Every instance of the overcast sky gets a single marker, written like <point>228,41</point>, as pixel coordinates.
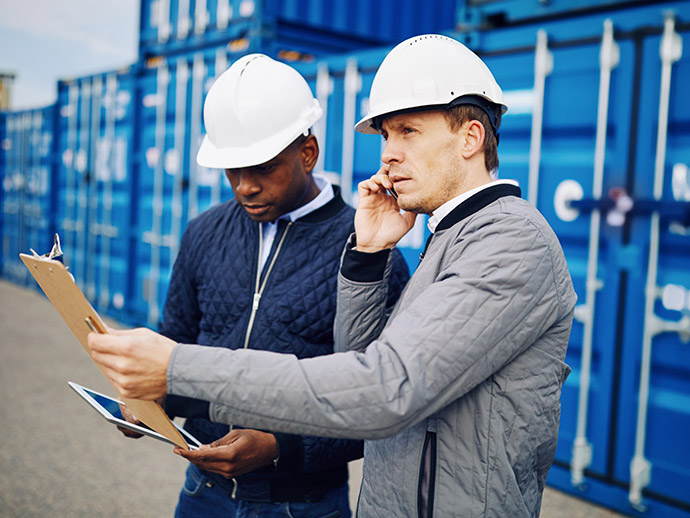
<point>42,41</point>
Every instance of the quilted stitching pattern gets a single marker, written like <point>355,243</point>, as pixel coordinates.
<point>211,292</point>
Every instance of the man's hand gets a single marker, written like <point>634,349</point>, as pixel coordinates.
<point>239,452</point>
<point>379,223</point>
<point>135,361</point>
<point>130,418</point>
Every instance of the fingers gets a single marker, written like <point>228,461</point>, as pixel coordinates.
<point>378,183</point>
<point>113,366</point>
<point>110,344</point>
<point>122,350</point>
<point>135,361</point>
<point>121,372</point>
<point>204,455</point>
<point>128,415</point>
<point>231,437</point>
<point>221,460</point>
<point>130,418</point>
<point>120,382</point>
<point>130,433</point>
<point>409,218</point>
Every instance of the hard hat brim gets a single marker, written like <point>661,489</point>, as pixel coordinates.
<point>367,124</point>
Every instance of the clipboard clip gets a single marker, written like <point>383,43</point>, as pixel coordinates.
<point>55,252</point>
<point>94,326</point>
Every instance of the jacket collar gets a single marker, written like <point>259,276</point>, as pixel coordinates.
<point>327,211</point>
<point>477,202</point>
<point>470,206</point>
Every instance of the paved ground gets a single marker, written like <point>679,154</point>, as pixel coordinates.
<point>61,459</point>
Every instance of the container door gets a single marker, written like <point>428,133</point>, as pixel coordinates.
<point>549,148</point>
<point>27,187</point>
<point>654,414</point>
<point>37,207</point>
<point>15,145</point>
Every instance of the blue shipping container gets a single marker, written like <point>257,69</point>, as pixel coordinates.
<point>298,26</point>
<point>27,188</point>
<point>170,188</point>
<point>93,184</point>
<point>586,112</point>
<point>597,134</point>
<point>494,14</point>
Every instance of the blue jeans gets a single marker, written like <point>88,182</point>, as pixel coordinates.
<point>200,499</point>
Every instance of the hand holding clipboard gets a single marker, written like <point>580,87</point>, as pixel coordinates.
<point>59,286</point>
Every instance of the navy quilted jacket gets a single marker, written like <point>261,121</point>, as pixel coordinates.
<point>210,301</point>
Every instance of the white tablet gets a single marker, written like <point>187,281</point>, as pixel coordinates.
<point>110,409</point>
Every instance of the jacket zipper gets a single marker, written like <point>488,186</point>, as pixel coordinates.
<point>428,449</point>
<point>260,286</point>
<point>258,291</point>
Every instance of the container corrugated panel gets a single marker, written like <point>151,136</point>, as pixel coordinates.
<point>380,22</point>
<point>93,184</point>
<point>572,152</point>
<point>171,188</point>
<point>27,207</point>
<point>490,14</point>
<point>311,27</point>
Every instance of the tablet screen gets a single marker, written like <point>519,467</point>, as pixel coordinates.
<point>110,409</point>
<point>110,405</point>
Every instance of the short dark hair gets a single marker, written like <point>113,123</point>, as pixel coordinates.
<point>456,116</point>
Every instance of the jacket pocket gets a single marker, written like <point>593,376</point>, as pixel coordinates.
<point>427,477</point>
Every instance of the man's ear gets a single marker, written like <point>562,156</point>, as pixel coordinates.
<point>473,141</point>
<point>309,153</point>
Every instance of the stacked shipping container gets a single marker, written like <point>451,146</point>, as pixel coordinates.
<point>290,28</point>
<point>597,134</point>
<point>92,184</point>
<point>607,126</point>
<point>26,169</point>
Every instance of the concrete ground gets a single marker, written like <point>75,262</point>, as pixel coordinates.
<point>62,459</point>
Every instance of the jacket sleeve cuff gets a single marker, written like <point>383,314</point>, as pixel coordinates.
<point>290,452</point>
<point>363,266</point>
<point>180,406</point>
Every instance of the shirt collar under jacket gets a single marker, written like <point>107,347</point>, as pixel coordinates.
<point>321,199</point>
<point>448,207</point>
<point>268,229</point>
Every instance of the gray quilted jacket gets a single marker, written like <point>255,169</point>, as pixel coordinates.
<point>469,364</point>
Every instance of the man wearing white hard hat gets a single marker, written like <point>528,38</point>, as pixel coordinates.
<point>259,272</point>
<point>457,390</point>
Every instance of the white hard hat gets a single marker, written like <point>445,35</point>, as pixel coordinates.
<point>430,71</point>
<point>253,111</point>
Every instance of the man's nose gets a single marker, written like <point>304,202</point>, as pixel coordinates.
<point>392,152</point>
<point>246,184</point>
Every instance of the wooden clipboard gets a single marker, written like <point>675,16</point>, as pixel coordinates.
<point>59,286</point>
